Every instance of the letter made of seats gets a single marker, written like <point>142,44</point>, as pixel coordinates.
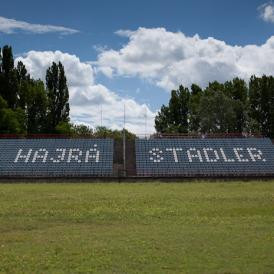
<point>174,152</point>
<point>209,159</point>
<point>74,155</point>
<point>60,157</point>
<point>19,156</point>
<point>255,153</point>
<point>239,155</point>
<point>194,153</point>
<point>156,155</point>
<point>40,154</point>
<point>93,153</point>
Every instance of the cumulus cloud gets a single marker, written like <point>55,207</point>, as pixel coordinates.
<point>267,12</point>
<point>168,59</point>
<point>9,26</point>
<point>88,98</point>
<point>37,62</point>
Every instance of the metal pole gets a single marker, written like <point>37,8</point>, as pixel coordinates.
<point>124,141</point>
<point>145,123</point>
<point>101,116</point>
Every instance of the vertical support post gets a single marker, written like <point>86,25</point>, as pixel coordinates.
<point>145,123</point>
<point>124,141</point>
<point>101,115</point>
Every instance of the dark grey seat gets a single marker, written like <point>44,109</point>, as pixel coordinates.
<point>205,157</point>
<point>56,157</point>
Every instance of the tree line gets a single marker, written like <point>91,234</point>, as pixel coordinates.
<point>231,107</point>
<point>28,106</point>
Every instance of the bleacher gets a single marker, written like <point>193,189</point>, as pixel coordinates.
<point>187,157</point>
<point>56,157</point>
<point>205,157</point>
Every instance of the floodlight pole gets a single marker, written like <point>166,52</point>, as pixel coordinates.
<point>124,141</point>
<point>145,123</point>
<point>101,110</point>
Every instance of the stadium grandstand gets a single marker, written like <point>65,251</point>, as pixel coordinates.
<point>159,156</point>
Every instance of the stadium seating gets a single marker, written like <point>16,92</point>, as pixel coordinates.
<point>205,157</point>
<point>154,158</point>
<point>56,157</point>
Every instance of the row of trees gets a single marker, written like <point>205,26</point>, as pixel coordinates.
<point>234,106</point>
<point>26,105</point>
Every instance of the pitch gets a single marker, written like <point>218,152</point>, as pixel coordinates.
<point>220,227</point>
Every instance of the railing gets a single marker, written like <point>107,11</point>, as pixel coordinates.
<point>48,136</point>
<point>139,136</point>
<point>204,136</point>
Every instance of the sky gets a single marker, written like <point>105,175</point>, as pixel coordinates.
<point>133,53</point>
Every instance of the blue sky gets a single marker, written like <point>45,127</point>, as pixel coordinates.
<point>92,37</point>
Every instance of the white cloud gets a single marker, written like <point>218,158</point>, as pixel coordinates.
<point>267,12</point>
<point>168,59</point>
<point>37,62</point>
<point>87,97</point>
<point>11,25</point>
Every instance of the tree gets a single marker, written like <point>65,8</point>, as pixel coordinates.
<point>1,58</point>
<point>261,96</point>
<point>103,132</point>
<point>80,130</point>
<point>8,79</point>
<point>58,96</point>
<point>216,113</point>
<point>175,116</point>
<point>36,106</point>
<point>11,121</point>
<point>7,59</point>
<point>23,79</point>
<point>162,120</point>
<point>64,128</point>
<point>194,103</point>
<point>237,91</point>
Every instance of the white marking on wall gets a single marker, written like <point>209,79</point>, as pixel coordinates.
<point>206,150</point>
<point>255,153</point>
<point>174,151</point>
<point>225,158</point>
<point>74,154</point>
<point>194,153</point>
<point>42,153</point>
<point>60,157</point>
<point>239,156</point>
<point>93,153</point>
<point>156,155</point>
<point>20,156</point>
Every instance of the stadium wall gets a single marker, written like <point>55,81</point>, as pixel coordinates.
<point>145,158</point>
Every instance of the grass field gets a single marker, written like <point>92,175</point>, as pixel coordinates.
<point>137,228</point>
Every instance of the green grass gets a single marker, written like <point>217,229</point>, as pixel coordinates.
<point>137,228</point>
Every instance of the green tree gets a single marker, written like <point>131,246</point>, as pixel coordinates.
<point>103,132</point>
<point>64,128</point>
<point>11,121</point>
<point>23,79</point>
<point>1,61</point>
<point>261,96</point>
<point>81,130</point>
<point>8,79</point>
<point>237,91</point>
<point>175,116</point>
<point>58,96</point>
<point>162,120</point>
<point>36,106</point>
<point>216,113</point>
<point>194,106</point>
